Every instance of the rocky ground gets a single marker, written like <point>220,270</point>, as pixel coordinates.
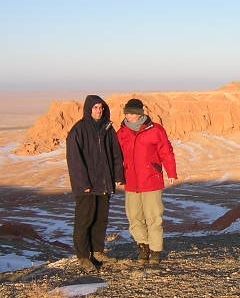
<point>190,267</point>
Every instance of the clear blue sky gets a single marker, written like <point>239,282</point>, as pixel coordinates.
<point>118,45</point>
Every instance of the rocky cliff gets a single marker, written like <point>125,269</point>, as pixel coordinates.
<point>181,113</point>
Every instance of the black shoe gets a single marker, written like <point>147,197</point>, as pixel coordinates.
<point>154,257</point>
<point>143,253</point>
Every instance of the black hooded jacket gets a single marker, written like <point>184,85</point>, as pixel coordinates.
<point>94,156</point>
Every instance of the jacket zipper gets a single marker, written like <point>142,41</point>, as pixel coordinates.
<point>100,149</point>
<point>134,163</point>
<point>150,126</point>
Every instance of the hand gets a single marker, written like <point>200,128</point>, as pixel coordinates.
<point>119,186</point>
<point>87,190</point>
<point>171,180</point>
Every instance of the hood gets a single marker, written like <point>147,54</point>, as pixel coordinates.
<point>90,101</point>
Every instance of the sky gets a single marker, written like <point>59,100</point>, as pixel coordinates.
<point>127,45</point>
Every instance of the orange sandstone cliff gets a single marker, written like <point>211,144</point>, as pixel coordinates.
<point>181,113</point>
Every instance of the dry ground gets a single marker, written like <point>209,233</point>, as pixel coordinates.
<point>191,267</point>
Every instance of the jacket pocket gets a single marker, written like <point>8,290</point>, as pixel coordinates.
<point>157,167</point>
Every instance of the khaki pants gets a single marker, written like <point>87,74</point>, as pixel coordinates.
<point>144,211</point>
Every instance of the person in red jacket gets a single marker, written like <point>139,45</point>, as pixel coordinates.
<point>146,149</point>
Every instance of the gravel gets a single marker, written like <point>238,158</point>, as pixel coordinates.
<point>190,267</point>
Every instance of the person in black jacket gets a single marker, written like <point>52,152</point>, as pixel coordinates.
<point>95,167</point>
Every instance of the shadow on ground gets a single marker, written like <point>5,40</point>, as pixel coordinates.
<point>51,215</point>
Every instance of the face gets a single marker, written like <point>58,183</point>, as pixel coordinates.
<point>132,118</point>
<point>97,111</point>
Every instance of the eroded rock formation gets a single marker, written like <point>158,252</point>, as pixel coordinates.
<point>181,113</point>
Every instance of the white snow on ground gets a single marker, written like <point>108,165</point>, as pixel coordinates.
<point>13,262</point>
<point>62,181</point>
<point>47,223</point>
<point>225,142</point>
<point>233,186</point>
<point>126,235</point>
<point>43,159</point>
<point>58,226</point>
<point>80,289</point>
<point>224,178</point>
<point>49,226</point>
<point>195,150</point>
<point>190,150</point>
<point>204,211</point>
<point>118,209</point>
<point>194,189</point>
<point>234,228</point>
<point>116,218</point>
<point>172,219</point>
<point>219,182</point>
<point>4,152</point>
<point>187,234</point>
<point>43,156</point>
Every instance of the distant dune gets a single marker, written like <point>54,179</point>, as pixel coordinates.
<point>233,86</point>
<point>181,113</point>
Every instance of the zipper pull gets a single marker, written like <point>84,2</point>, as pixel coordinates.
<point>108,125</point>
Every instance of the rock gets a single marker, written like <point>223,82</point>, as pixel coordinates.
<point>181,113</point>
<point>62,245</point>
<point>112,237</point>
<point>18,231</point>
<point>226,220</point>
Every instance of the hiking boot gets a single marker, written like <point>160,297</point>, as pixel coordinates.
<point>143,253</point>
<point>154,257</point>
<point>100,256</point>
<point>86,264</point>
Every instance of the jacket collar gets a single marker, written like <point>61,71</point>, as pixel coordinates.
<point>146,125</point>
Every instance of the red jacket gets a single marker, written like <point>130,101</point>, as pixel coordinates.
<point>144,154</point>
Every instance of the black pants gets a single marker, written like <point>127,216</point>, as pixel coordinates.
<point>91,218</point>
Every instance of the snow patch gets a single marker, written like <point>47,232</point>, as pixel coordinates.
<point>234,228</point>
<point>80,289</point>
<point>13,262</point>
<point>206,212</point>
<point>172,219</point>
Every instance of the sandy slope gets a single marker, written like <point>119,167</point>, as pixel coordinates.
<point>205,157</point>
